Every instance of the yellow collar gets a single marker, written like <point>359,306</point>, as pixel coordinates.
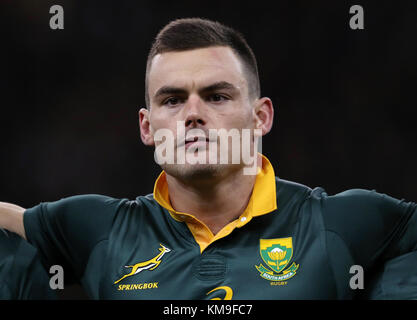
<point>262,201</point>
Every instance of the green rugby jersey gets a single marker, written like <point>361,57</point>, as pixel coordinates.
<point>291,242</point>
<point>394,280</point>
<point>22,276</point>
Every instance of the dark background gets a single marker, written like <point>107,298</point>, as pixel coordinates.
<point>344,99</point>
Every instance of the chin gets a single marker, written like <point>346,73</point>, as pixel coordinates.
<point>198,171</point>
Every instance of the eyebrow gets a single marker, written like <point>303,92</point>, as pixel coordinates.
<point>221,85</point>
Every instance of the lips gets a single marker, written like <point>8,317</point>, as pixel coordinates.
<point>196,141</point>
<point>197,138</point>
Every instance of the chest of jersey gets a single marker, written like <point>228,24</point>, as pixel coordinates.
<point>267,259</point>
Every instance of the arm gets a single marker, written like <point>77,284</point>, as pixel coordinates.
<point>66,231</point>
<point>11,218</point>
<point>374,226</point>
<point>22,276</point>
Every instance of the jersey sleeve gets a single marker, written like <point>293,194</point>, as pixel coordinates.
<point>394,280</point>
<point>66,231</point>
<point>375,227</point>
<point>22,276</point>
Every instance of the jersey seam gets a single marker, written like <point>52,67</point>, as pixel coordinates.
<point>91,251</point>
<point>328,255</point>
<point>324,239</point>
<point>81,278</point>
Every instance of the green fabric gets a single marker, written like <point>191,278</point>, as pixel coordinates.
<point>22,276</point>
<point>133,249</point>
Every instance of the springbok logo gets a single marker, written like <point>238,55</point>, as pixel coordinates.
<point>146,265</point>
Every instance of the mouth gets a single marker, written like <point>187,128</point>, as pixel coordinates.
<point>196,142</point>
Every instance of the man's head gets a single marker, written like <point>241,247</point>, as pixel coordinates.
<point>204,75</point>
<point>196,33</point>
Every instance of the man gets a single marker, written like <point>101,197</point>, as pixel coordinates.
<point>210,230</point>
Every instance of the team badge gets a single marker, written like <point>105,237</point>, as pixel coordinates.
<point>276,254</point>
<point>150,264</point>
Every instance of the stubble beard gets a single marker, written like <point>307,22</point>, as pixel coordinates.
<point>192,173</point>
<point>210,166</point>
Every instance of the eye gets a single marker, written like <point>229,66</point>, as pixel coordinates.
<point>217,98</point>
<point>173,101</point>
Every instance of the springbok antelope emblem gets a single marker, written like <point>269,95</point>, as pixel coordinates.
<point>146,265</point>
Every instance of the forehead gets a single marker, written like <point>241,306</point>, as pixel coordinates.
<point>195,68</point>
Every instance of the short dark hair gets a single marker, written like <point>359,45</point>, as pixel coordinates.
<point>195,33</point>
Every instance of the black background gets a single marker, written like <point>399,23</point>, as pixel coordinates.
<point>344,99</point>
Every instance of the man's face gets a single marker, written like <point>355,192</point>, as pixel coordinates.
<point>205,89</point>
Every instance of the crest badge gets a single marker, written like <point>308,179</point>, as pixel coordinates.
<point>277,255</point>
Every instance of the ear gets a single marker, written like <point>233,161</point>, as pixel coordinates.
<point>145,127</point>
<point>264,115</point>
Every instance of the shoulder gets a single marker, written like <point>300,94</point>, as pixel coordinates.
<point>365,204</point>
<point>350,212</point>
<point>81,206</point>
<point>89,214</point>
<point>290,190</point>
<point>368,221</point>
<point>85,202</point>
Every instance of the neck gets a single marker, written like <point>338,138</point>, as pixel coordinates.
<point>216,202</point>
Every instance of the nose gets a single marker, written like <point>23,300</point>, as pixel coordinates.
<point>194,112</point>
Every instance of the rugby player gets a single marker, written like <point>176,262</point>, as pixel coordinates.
<point>210,231</point>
